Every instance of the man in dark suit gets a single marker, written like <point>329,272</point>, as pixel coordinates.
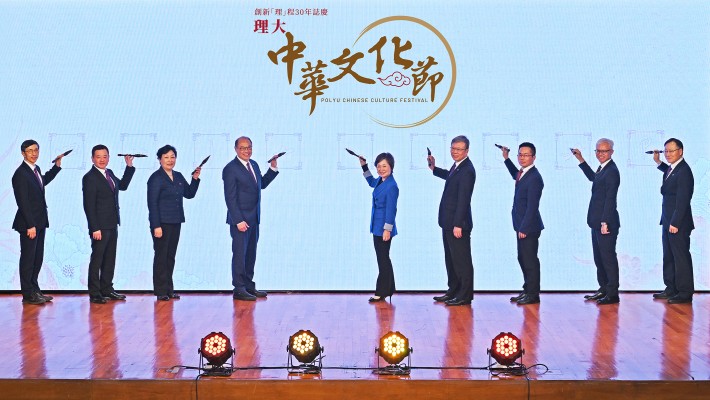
<point>101,187</point>
<point>31,220</point>
<point>603,219</point>
<point>456,223</point>
<point>677,221</point>
<point>527,221</point>
<point>242,193</point>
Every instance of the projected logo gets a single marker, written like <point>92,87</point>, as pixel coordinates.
<point>400,71</point>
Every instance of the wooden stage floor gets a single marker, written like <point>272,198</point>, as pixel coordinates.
<point>70,348</point>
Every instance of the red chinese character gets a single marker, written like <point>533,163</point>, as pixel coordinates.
<point>316,11</point>
<point>293,52</point>
<point>261,25</point>
<point>350,61</point>
<point>278,11</point>
<point>324,11</point>
<point>257,11</point>
<point>279,25</point>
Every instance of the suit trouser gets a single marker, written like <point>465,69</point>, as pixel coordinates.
<point>385,277</point>
<point>165,248</point>
<point>31,258</point>
<point>677,263</point>
<point>604,247</point>
<point>243,257</point>
<point>459,265</point>
<point>103,263</point>
<point>529,262</point>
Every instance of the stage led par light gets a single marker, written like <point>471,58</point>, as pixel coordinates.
<point>506,348</point>
<point>304,346</point>
<point>394,347</point>
<point>216,349</point>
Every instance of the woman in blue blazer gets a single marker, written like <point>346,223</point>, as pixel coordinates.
<point>382,225</point>
<point>166,189</point>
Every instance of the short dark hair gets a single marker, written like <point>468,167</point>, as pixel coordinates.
<point>387,157</point>
<point>236,142</point>
<point>528,144</point>
<point>97,148</point>
<point>165,149</point>
<point>460,138</point>
<point>27,143</point>
<point>676,141</point>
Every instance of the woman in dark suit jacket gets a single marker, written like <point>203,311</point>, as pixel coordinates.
<point>166,189</point>
<point>382,225</point>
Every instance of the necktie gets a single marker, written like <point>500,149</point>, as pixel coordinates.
<point>39,177</point>
<point>111,184</point>
<point>250,170</point>
<point>453,168</point>
<point>599,169</point>
<point>520,174</point>
<point>668,173</point>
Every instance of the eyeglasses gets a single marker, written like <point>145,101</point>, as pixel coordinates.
<point>243,148</point>
<point>602,151</point>
<point>458,149</point>
<point>670,151</point>
<point>32,151</point>
<point>524,155</point>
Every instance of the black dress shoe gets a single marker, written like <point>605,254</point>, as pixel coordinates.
<point>257,293</point>
<point>595,296</point>
<point>98,299</point>
<point>608,300</point>
<point>457,302</point>
<point>662,295</point>
<point>45,297</point>
<point>244,296</point>
<point>115,296</point>
<point>528,299</point>
<point>174,296</point>
<point>164,298</point>
<point>677,299</point>
<point>443,298</point>
<point>518,297</point>
<point>34,298</point>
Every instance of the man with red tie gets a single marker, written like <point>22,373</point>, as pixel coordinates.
<point>31,220</point>
<point>677,222</point>
<point>101,187</point>
<point>527,221</point>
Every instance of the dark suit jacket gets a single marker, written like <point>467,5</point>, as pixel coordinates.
<point>100,203</point>
<point>384,204</point>
<point>165,197</point>
<point>29,195</point>
<point>677,191</point>
<point>455,205</point>
<point>241,193</point>
<point>526,201</point>
<point>602,205</point>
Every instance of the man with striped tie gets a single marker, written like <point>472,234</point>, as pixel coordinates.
<point>31,220</point>
<point>100,187</point>
<point>603,219</point>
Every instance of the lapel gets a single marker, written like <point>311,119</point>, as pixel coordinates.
<point>526,175</point>
<point>31,175</point>
<point>673,171</point>
<point>165,176</point>
<point>382,187</point>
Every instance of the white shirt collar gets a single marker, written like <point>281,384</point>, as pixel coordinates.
<point>605,163</point>
<point>459,162</point>
<point>32,166</point>
<point>675,164</point>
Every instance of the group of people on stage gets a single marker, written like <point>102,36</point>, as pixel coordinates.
<point>456,221</point>
<point>243,182</point>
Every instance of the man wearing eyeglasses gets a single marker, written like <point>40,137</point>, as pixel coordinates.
<point>677,223</point>
<point>456,223</point>
<point>242,193</point>
<point>603,219</point>
<point>31,220</point>
<point>527,221</point>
